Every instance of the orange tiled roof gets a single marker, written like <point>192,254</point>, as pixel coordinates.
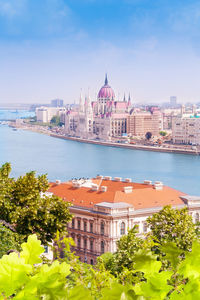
<point>142,196</point>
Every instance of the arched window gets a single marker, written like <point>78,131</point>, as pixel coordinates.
<point>122,228</point>
<point>102,227</point>
<point>102,247</point>
<point>79,242</point>
<point>85,243</point>
<point>196,218</point>
<point>91,262</point>
<point>91,245</point>
<point>145,227</point>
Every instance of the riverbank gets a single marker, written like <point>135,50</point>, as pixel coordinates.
<point>166,149</point>
<point>128,146</point>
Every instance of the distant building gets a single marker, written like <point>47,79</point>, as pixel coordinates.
<point>104,209</point>
<point>101,119</point>
<point>45,114</point>
<point>139,123</point>
<point>57,103</point>
<point>186,129</point>
<point>173,101</point>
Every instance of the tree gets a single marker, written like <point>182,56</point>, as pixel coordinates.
<point>163,133</point>
<point>9,239</point>
<point>23,203</point>
<point>173,225</point>
<point>56,121</point>
<point>148,135</point>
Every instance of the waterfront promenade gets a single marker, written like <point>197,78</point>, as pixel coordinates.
<point>179,149</point>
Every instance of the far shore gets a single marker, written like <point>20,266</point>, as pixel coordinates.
<point>44,130</point>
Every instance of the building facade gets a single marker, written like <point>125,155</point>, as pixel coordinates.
<point>44,114</point>
<point>101,119</point>
<point>139,123</point>
<point>104,209</point>
<point>186,130</point>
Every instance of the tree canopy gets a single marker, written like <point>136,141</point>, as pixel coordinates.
<point>23,202</point>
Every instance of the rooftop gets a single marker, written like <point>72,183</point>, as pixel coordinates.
<point>87,193</point>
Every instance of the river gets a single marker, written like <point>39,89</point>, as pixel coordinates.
<point>64,159</point>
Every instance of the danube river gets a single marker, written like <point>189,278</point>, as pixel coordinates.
<point>64,159</point>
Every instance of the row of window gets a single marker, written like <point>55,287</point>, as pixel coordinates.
<point>91,244</point>
<point>85,226</point>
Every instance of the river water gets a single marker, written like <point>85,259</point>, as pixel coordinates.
<point>64,159</point>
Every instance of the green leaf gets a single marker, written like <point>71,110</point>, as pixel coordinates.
<point>172,253</point>
<point>13,273</point>
<point>146,262</point>
<point>190,267</point>
<point>118,291</point>
<point>32,250</point>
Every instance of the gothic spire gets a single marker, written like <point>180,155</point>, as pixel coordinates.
<point>124,98</point>
<point>106,80</point>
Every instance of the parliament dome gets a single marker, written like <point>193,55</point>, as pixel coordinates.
<point>106,92</point>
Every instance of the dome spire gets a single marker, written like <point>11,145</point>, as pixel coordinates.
<point>106,80</point>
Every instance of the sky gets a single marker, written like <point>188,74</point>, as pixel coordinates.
<point>56,48</point>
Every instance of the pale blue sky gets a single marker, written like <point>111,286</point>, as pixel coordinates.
<point>52,48</point>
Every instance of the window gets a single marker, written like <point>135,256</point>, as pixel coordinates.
<point>85,226</point>
<point>79,224</point>
<point>85,243</point>
<point>91,245</point>
<point>102,247</point>
<point>79,242</point>
<point>196,218</point>
<point>102,227</point>
<point>91,262</point>
<point>145,227</point>
<point>91,227</point>
<point>72,223</point>
<point>122,228</point>
<point>45,249</point>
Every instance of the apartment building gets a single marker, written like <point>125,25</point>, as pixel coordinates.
<point>45,114</point>
<point>139,123</point>
<point>104,208</point>
<point>186,130</point>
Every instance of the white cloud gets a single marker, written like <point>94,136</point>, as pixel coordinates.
<point>11,8</point>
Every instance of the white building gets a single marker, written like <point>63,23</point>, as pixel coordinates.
<point>105,208</point>
<point>186,130</point>
<point>44,114</point>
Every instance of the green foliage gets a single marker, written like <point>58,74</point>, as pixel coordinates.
<point>163,133</point>
<point>56,121</point>
<point>173,225</point>
<point>22,204</point>
<point>21,277</point>
<point>8,239</point>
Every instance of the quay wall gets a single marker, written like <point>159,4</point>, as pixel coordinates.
<point>127,146</point>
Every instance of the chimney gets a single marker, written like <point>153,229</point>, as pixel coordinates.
<point>58,182</point>
<point>104,188</point>
<point>94,187</point>
<point>108,178</point>
<point>147,182</point>
<point>128,189</point>
<point>128,180</point>
<point>117,179</point>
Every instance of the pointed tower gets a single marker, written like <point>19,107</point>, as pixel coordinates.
<point>89,104</point>
<point>81,104</point>
<point>106,80</point>
<point>124,98</point>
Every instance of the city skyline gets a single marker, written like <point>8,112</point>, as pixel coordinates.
<point>53,49</point>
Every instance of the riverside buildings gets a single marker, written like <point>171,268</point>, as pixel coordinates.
<point>186,127</point>
<point>101,119</point>
<point>105,208</point>
<point>108,117</point>
<point>44,114</point>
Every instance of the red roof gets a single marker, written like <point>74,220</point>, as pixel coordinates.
<point>142,196</point>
